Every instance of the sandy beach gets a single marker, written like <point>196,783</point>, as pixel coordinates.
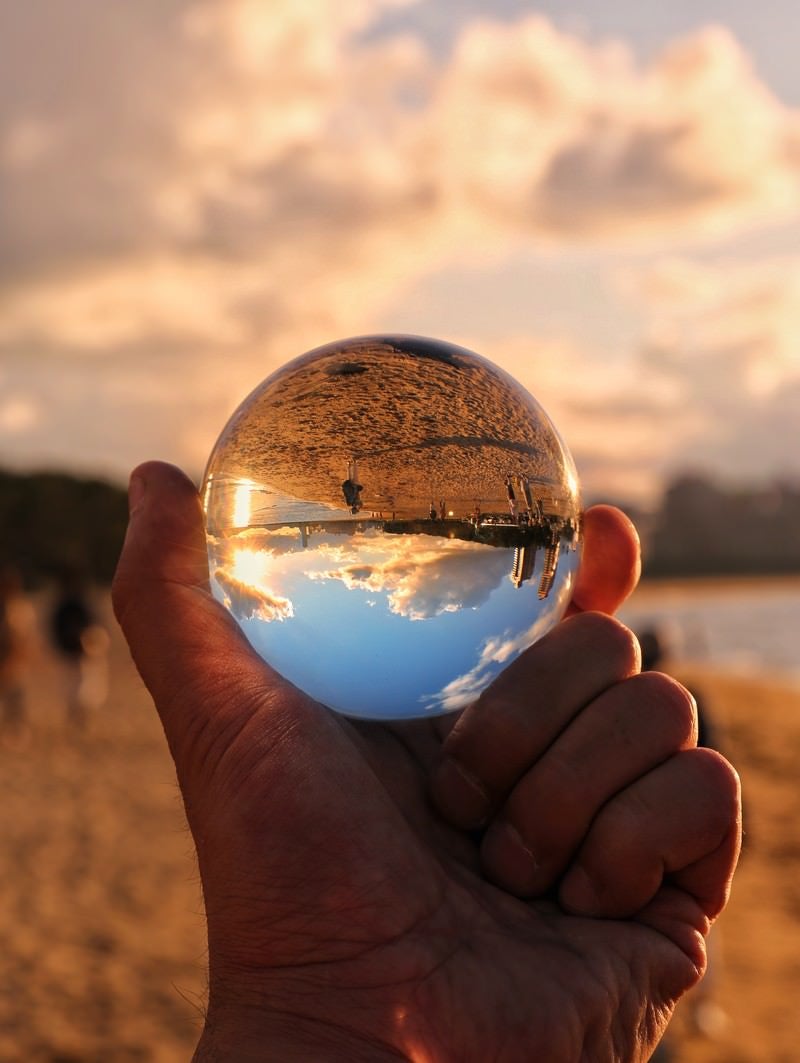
<point>102,957</point>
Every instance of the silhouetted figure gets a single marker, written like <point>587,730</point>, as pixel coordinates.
<point>654,653</point>
<point>351,488</point>
<point>82,644</point>
<point>16,635</point>
<point>512,498</point>
<point>706,1016</point>
<point>352,492</point>
<point>526,492</point>
<point>432,512</point>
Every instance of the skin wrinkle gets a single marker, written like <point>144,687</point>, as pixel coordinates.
<point>414,979</point>
<point>607,1032</point>
<point>329,1033</point>
<point>294,929</point>
<point>440,966</point>
<point>207,756</point>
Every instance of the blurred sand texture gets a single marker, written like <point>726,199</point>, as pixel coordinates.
<point>101,922</point>
<point>102,957</point>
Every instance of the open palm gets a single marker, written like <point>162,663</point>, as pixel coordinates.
<point>530,885</point>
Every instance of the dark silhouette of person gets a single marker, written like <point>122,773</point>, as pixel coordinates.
<point>655,653</point>
<point>351,488</point>
<point>81,643</point>
<point>706,1016</point>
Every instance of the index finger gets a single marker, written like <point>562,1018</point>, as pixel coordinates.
<point>611,562</point>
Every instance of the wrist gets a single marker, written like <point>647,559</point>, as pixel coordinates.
<point>242,1036</point>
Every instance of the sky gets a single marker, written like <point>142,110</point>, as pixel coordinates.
<point>447,604</point>
<point>606,203</point>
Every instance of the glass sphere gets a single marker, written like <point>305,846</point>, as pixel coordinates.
<point>392,520</point>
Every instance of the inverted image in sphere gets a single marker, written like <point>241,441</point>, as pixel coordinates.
<point>392,520</point>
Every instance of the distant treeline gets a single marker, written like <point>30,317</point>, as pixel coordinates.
<point>54,525</point>
<point>704,529</point>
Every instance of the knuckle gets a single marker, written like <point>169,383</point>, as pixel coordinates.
<point>721,781</point>
<point>672,704</point>
<point>616,643</point>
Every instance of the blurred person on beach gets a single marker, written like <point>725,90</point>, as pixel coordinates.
<point>530,879</point>
<point>81,644</point>
<point>706,1017</point>
<point>17,624</point>
<point>655,645</point>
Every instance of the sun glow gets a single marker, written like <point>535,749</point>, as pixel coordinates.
<point>241,503</point>
<point>250,567</point>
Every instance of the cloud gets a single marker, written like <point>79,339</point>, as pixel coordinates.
<point>162,300</point>
<point>723,338</point>
<point>280,164</point>
<point>18,413</point>
<point>575,140</point>
<point>248,602</point>
<point>701,142</point>
<point>495,651</point>
<point>273,182</point>
<point>420,580</point>
<point>716,384</point>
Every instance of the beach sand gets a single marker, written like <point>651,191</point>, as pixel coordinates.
<point>102,955</point>
<point>420,425</point>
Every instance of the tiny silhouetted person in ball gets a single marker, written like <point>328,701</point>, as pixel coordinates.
<point>81,643</point>
<point>512,498</point>
<point>351,488</point>
<point>352,494</point>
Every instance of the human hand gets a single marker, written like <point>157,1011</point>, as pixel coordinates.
<point>365,894</point>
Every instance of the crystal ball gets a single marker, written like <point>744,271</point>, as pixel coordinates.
<point>392,520</point>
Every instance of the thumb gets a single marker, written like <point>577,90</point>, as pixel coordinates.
<point>611,563</point>
<point>265,771</point>
<point>194,659</point>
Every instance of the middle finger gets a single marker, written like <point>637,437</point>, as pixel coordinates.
<point>623,734</point>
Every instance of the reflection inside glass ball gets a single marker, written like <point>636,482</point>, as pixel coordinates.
<point>392,520</point>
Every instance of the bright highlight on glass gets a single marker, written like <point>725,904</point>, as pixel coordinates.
<point>392,520</point>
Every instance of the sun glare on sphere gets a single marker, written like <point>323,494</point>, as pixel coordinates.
<point>250,567</point>
<point>241,504</point>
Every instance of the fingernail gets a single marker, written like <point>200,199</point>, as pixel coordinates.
<point>509,859</point>
<point>460,795</point>
<point>136,491</point>
<point>578,893</point>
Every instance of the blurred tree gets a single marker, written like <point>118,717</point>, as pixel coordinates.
<point>52,523</point>
<point>703,528</point>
